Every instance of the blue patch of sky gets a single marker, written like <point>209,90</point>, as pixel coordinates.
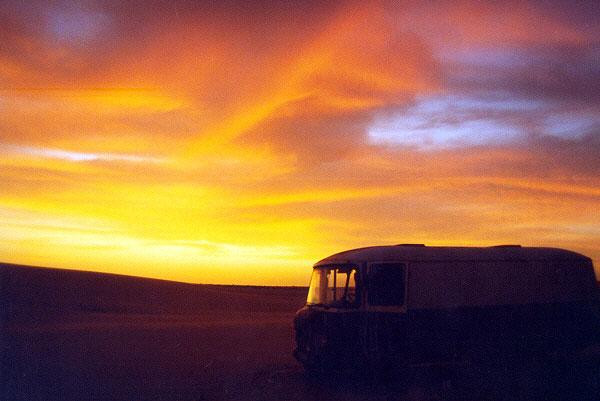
<point>488,117</point>
<point>495,103</point>
<point>498,57</point>
<point>449,122</point>
<point>76,25</point>
<point>414,133</point>
<point>571,126</point>
<point>453,121</point>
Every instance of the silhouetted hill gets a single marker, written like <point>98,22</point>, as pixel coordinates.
<point>32,292</point>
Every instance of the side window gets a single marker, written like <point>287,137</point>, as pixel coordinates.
<point>342,285</point>
<point>386,284</point>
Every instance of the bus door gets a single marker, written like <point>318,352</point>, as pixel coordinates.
<point>386,310</point>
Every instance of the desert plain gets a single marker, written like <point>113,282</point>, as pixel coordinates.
<point>74,335</point>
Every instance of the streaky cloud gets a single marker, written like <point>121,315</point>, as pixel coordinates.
<point>28,151</point>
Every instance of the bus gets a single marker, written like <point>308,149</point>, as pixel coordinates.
<point>415,305</point>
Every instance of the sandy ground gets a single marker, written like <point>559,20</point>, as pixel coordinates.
<point>69,337</point>
<point>166,357</point>
<point>162,357</point>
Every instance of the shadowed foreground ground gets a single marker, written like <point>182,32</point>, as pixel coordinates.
<point>86,336</point>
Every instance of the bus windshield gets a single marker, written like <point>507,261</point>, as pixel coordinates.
<point>332,286</point>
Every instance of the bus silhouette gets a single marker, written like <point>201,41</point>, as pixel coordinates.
<point>412,305</point>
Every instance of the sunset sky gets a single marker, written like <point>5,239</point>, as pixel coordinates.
<point>240,142</point>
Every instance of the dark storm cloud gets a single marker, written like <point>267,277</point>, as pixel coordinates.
<point>561,73</point>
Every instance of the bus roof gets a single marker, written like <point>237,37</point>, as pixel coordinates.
<point>421,253</point>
